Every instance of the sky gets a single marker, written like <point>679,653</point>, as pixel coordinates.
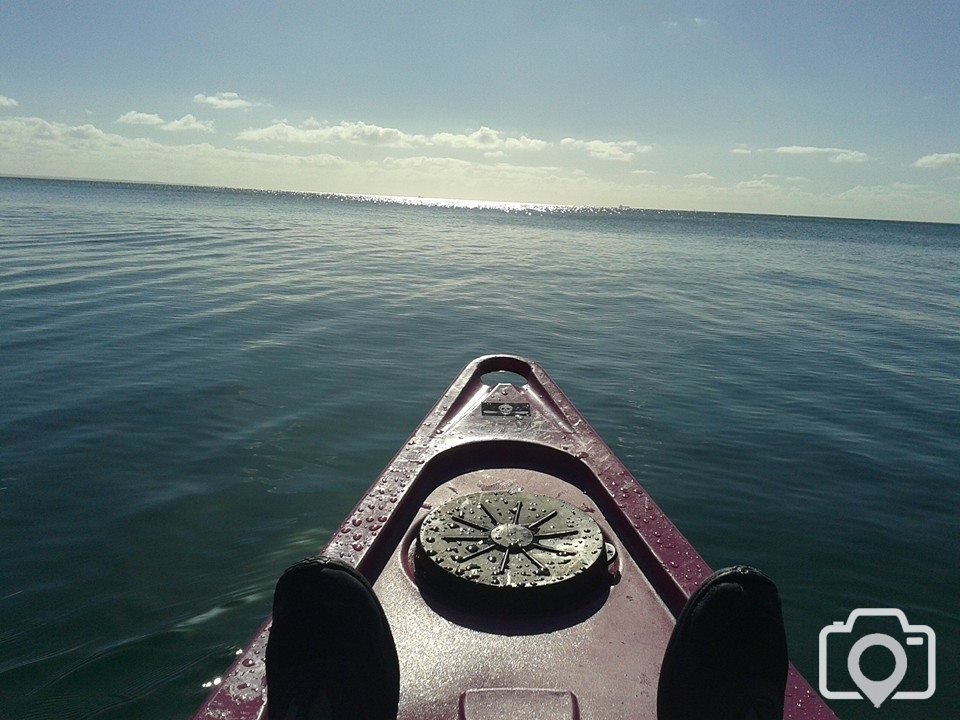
<point>843,109</point>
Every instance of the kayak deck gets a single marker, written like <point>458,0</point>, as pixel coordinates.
<point>597,653</point>
<point>550,663</point>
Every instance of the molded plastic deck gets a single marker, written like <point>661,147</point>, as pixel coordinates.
<point>598,658</point>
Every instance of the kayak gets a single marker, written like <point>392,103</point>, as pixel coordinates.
<point>524,571</point>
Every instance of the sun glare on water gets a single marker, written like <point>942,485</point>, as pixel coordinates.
<point>510,207</point>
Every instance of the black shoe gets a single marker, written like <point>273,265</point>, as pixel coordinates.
<point>330,653</point>
<point>727,656</point>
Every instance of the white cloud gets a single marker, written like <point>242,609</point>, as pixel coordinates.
<point>799,150</point>
<point>188,123</point>
<point>850,156</point>
<point>485,139</point>
<point>363,134</point>
<point>492,142</point>
<point>312,132</point>
<point>622,151</point>
<point>482,139</point>
<point>938,160</point>
<point>23,132</point>
<point>33,146</point>
<point>138,118</point>
<point>8,102</point>
<point>759,184</point>
<point>837,155</point>
<point>224,101</point>
<point>280,131</point>
<point>699,176</point>
<point>643,172</point>
<point>741,150</point>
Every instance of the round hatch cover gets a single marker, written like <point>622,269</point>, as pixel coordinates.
<point>509,546</point>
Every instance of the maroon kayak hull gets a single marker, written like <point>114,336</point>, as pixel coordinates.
<point>595,657</point>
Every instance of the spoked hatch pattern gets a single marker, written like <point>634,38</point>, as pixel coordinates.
<point>510,547</point>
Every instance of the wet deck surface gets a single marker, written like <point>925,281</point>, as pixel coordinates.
<point>596,657</point>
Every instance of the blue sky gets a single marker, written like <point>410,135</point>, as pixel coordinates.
<point>843,109</point>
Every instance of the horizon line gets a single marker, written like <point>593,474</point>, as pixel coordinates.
<point>465,204</point>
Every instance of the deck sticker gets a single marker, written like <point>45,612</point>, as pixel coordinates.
<point>505,409</point>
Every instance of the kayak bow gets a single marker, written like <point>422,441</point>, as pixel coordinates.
<point>524,571</point>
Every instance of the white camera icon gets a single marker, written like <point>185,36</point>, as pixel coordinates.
<point>877,691</point>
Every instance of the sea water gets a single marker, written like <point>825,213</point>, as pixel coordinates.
<point>196,385</point>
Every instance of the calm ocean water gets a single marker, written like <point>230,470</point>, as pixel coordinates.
<point>196,385</point>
